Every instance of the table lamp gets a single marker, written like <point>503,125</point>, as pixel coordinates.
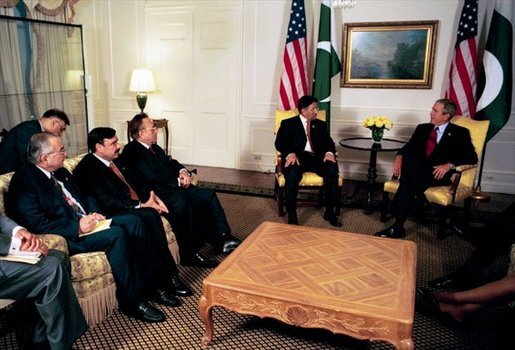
<point>141,83</point>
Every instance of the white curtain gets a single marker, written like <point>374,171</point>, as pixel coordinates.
<point>56,68</point>
<point>56,78</point>
<point>15,107</point>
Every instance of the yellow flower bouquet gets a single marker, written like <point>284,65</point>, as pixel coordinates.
<point>377,124</point>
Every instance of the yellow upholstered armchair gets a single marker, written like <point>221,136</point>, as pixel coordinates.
<point>310,181</point>
<point>462,185</point>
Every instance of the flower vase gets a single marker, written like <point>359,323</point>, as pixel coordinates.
<point>377,134</point>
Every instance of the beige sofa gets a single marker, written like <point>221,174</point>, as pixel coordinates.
<point>91,274</point>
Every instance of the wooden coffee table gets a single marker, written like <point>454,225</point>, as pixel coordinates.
<point>354,284</point>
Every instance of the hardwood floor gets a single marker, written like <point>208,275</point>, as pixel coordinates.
<point>235,177</point>
<point>497,202</point>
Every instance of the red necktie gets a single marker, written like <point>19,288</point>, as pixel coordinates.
<point>431,142</point>
<point>308,134</point>
<point>134,195</point>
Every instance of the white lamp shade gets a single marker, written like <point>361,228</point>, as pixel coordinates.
<point>142,81</point>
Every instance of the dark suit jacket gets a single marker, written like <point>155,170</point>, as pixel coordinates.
<point>101,183</point>
<point>35,203</point>
<point>454,147</point>
<point>291,137</point>
<point>157,171</point>
<point>13,149</point>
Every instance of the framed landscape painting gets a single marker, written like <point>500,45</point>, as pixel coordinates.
<point>397,55</point>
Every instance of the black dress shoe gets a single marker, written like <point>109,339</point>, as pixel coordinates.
<point>332,218</point>
<point>392,232</point>
<point>180,288</point>
<point>229,244</point>
<point>426,295</point>
<point>198,260</point>
<point>164,298</point>
<point>449,282</point>
<point>147,313</point>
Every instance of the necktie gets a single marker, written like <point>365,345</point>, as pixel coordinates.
<point>308,134</point>
<point>76,209</point>
<point>134,195</point>
<point>152,150</point>
<point>431,142</point>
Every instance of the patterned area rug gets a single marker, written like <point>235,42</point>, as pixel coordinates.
<point>184,329</point>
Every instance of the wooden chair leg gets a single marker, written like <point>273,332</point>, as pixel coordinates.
<point>467,208</point>
<point>442,224</point>
<point>384,207</point>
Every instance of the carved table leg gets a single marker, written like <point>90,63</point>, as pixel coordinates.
<point>205,314</point>
<point>406,344</point>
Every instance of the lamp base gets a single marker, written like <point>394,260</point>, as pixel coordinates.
<point>141,99</point>
<point>478,195</point>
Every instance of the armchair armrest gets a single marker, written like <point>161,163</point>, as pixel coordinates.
<point>456,177</point>
<point>464,167</point>
<point>55,242</point>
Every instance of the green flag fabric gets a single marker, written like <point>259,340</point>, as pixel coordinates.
<point>496,75</point>
<point>327,62</point>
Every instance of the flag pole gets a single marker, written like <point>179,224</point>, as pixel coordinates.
<point>478,195</point>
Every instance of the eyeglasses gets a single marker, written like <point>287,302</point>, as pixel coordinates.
<point>59,153</point>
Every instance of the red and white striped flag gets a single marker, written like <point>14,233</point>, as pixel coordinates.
<point>294,81</point>
<point>464,66</point>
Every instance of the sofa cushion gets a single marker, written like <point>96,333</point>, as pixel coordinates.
<point>88,265</point>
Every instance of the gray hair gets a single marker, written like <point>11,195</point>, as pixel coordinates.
<point>39,144</point>
<point>449,107</point>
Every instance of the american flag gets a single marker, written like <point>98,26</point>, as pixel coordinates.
<point>294,81</point>
<point>464,66</point>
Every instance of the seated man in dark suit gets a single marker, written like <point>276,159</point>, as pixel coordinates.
<point>428,159</point>
<point>44,198</point>
<point>13,148</point>
<point>305,145</point>
<point>46,283</point>
<point>116,191</point>
<point>192,210</point>
<point>492,241</point>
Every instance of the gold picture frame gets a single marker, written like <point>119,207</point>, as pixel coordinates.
<point>395,55</point>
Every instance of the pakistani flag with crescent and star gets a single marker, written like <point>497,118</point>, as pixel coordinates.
<point>496,75</point>
<point>327,61</point>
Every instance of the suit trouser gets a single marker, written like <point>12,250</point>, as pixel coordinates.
<point>494,240</point>
<point>194,210</point>
<point>311,162</point>
<point>209,215</point>
<point>115,243</point>
<point>180,217</point>
<point>416,177</point>
<point>149,246</point>
<point>48,282</point>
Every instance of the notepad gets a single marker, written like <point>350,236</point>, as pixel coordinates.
<point>100,226</point>
<point>23,257</point>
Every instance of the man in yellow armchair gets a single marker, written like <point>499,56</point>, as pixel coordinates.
<point>305,145</point>
<point>428,159</point>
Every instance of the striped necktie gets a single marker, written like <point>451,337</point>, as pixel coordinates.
<point>76,209</point>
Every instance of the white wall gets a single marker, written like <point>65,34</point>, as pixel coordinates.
<point>117,35</point>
